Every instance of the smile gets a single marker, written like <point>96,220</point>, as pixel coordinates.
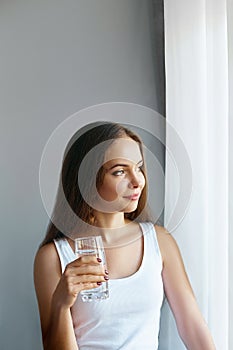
<point>133,197</point>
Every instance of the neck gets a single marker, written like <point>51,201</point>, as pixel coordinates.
<point>116,230</point>
<point>109,220</point>
<point>113,226</point>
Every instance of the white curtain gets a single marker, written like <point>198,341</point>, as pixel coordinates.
<point>230,75</point>
<point>196,60</point>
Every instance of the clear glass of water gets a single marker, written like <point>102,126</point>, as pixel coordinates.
<point>92,245</point>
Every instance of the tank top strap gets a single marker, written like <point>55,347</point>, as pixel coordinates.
<point>65,252</point>
<point>151,240</point>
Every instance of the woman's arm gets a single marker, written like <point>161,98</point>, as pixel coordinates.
<point>56,293</point>
<point>191,326</point>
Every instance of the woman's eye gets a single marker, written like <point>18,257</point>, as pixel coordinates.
<point>139,168</point>
<point>118,172</point>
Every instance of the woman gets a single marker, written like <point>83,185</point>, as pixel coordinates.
<point>103,181</point>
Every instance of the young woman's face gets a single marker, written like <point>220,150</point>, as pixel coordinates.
<point>123,179</point>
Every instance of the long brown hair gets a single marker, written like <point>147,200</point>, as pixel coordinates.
<point>69,194</point>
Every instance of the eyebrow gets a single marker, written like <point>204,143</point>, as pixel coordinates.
<point>123,165</point>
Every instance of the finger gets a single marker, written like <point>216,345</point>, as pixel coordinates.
<point>86,259</point>
<point>88,279</point>
<point>78,287</point>
<point>85,270</point>
<point>86,286</point>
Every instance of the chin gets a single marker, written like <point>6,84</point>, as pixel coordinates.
<point>130,209</point>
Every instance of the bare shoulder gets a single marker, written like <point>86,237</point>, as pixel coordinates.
<point>47,260</point>
<point>161,230</point>
<point>162,234</point>
<point>167,243</point>
<point>46,253</point>
<point>47,273</point>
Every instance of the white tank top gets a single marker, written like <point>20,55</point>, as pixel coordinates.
<point>129,319</point>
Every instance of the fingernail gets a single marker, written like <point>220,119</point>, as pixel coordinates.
<point>106,278</point>
<point>99,260</point>
<point>106,271</point>
<point>99,283</point>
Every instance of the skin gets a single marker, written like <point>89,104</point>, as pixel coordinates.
<point>57,292</point>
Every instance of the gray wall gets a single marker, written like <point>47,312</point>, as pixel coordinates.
<point>230,67</point>
<point>56,58</point>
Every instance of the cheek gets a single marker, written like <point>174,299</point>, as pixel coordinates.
<point>143,181</point>
<point>111,191</point>
<point>121,186</point>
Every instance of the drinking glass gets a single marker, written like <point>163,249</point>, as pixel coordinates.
<point>92,245</point>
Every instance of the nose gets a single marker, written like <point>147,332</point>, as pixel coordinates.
<point>135,180</point>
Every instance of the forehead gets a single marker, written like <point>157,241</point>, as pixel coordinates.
<point>124,148</point>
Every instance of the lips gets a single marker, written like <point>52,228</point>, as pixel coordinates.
<point>133,197</point>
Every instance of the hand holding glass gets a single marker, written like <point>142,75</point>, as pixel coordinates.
<point>92,245</point>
